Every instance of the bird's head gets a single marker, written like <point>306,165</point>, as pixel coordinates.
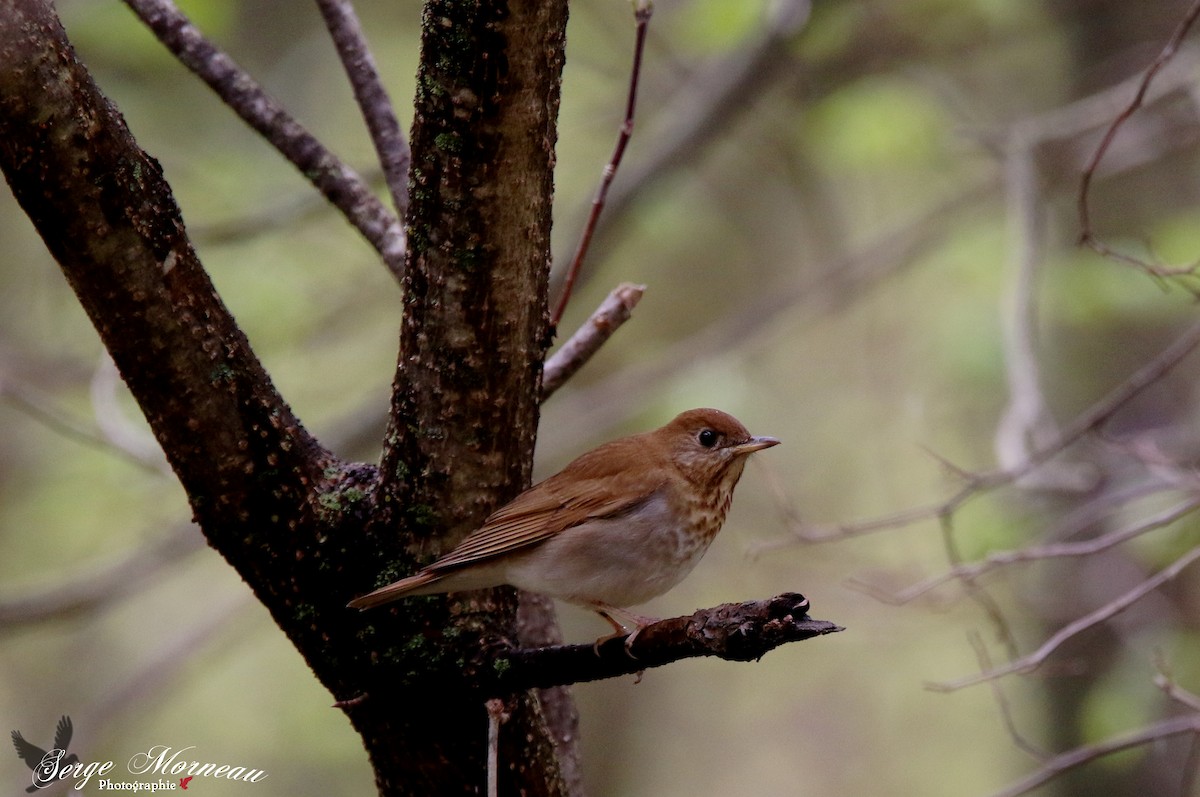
<point>708,445</point>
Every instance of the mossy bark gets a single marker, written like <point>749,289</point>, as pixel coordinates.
<point>305,530</point>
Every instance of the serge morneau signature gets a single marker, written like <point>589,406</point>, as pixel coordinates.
<point>158,760</point>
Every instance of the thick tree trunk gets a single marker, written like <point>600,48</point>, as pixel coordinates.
<point>465,399</point>
<point>306,531</point>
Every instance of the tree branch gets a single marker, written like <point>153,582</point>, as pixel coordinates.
<point>1032,553</point>
<point>731,631</point>
<point>614,311</point>
<point>108,217</point>
<point>642,12</point>
<point>344,188</point>
<point>1087,235</point>
<point>371,96</point>
<point>1188,723</point>
<point>1083,424</point>
<point>1031,662</point>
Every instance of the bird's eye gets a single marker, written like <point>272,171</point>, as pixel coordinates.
<point>707,438</point>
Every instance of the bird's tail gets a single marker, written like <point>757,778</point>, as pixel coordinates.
<point>405,586</point>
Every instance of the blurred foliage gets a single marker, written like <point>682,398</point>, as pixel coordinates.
<point>877,122</point>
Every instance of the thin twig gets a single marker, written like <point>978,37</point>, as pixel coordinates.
<point>96,586</point>
<point>117,427</point>
<point>614,311</point>
<point>1114,607</point>
<point>1087,236</point>
<point>1165,680</point>
<point>1088,421</point>
<point>1174,726</point>
<point>344,188</point>
<point>712,101</point>
<point>1033,553</point>
<point>976,591</point>
<point>372,98</point>
<point>1010,724</point>
<point>496,715</point>
<point>642,12</point>
<point>43,409</point>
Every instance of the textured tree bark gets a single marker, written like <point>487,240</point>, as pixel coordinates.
<point>468,382</point>
<point>306,531</point>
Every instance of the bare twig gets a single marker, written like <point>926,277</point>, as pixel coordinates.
<point>1165,680</point>
<point>843,280</point>
<point>614,311</point>
<point>118,429</point>
<point>372,98</point>
<point>1189,723</point>
<point>1088,421</point>
<point>974,590</point>
<point>43,409</point>
<point>642,11</point>
<point>1087,235</point>
<point>712,101</point>
<point>345,189</point>
<point>1034,660</point>
<point>99,584</point>
<point>1032,553</point>
<point>1010,724</point>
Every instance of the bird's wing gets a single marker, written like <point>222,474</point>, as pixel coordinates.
<point>62,735</point>
<point>567,499</point>
<point>27,752</point>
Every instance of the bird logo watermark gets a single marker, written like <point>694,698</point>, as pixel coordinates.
<point>47,764</point>
<point>170,764</point>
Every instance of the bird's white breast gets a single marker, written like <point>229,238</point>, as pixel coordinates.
<point>621,561</point>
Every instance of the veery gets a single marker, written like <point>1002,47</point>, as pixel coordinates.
<point>620,525</point>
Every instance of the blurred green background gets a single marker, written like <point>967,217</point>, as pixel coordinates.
<point>831,215</point>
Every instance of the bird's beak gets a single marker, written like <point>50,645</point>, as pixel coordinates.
<point>754,444</point>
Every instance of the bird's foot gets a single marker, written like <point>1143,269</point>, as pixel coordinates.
<point>621,626</point>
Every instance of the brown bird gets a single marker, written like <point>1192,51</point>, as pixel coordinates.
<point>620,525</point>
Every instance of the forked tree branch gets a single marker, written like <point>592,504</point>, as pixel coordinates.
<point>1032,661</point>
<point>340,184</point>
<point>979,482</point>
<point>1087,234</point>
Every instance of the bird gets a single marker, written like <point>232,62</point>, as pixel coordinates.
<point>35,757</point>
<point>620,525</point>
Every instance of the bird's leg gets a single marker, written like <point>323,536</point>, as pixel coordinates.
<point>621,626</point>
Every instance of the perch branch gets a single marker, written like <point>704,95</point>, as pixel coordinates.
<point>731,631</point>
